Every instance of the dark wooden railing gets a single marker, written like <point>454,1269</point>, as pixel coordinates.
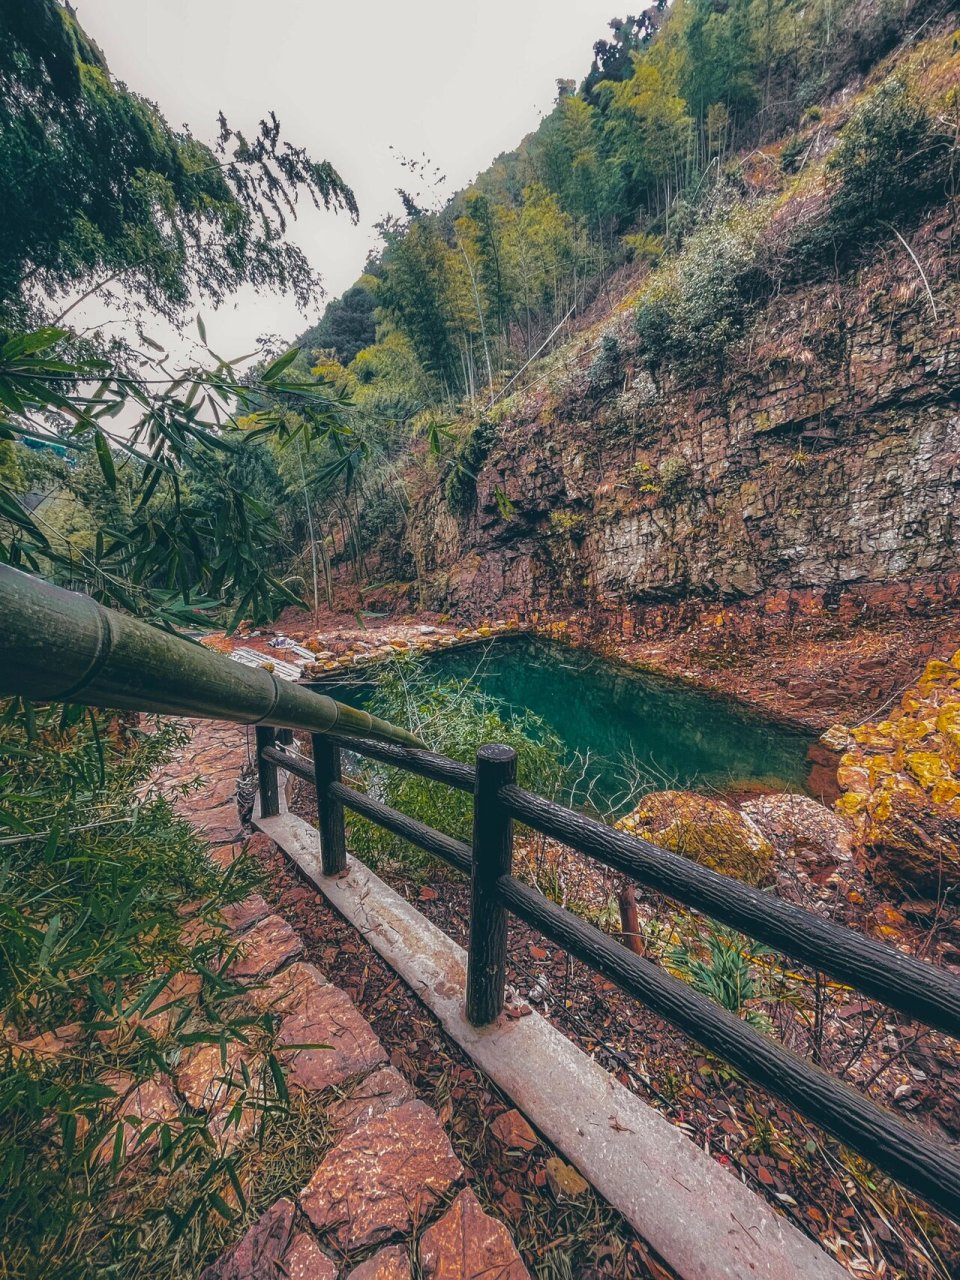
<point>919,991</point>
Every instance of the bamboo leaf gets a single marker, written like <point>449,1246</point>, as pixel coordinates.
<point>105,458</point>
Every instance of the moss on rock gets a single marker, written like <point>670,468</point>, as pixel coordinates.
<point>705,830</point>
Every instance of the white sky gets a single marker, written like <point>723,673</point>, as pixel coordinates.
<point>458,81</point>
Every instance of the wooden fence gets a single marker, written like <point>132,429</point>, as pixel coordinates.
<point>922,993</point>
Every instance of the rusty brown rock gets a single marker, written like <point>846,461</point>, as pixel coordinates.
<point>304,1260</point>
<point>266,947</point>
<point>373,1096</point>
<point>512,1131</point>
<point>329,1018</point>
<point>392,1263</point>
<point>49,1045</point>
<point>705,830</point>
<point>467,1244</point>
<point>260,1254</point>
<point>382,1178</point>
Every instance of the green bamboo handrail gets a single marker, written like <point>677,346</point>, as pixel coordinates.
<point>61,646</point>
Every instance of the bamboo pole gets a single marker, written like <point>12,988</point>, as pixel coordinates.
<point>60,646</point>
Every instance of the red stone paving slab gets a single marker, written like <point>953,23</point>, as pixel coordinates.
<point>467,1244</point>
<point>172,1003</point>
<point>264,948</point>
<point>287,990</point>
<point>392,1263</point>
<point>304,1260</point>
<point>152,1102</point>
<point>371,1097</point>
<point>211,1086</point>
<point>328,1018</point>
<point>259,1255</point>
<point>382,1178</point>
<point>243,914</point>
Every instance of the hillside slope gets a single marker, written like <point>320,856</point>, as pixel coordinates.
<point>811,454</point>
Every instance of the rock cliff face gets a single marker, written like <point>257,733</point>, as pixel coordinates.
<point>822,463</point>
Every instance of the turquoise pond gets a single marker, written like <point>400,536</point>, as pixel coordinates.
<point>624,720</point>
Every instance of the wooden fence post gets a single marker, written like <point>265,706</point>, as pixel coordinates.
<point>333,837</point>
<point>267,774</point>
<point>492,858</point>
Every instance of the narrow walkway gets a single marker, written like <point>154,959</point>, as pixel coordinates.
<point>387,1200</point>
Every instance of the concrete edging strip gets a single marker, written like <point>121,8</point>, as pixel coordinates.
<point>698,1217</point>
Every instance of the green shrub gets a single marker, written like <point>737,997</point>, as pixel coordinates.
<point>568,524</point>
<point>95,876</point>
<point>719,965</point>
<point>887,163</point>
<point>455,718</point>
<point>697,305</point>
<point>606,368</point>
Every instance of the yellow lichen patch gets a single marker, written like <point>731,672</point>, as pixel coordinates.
<point>850,804</point>
<point>948,722</point>
<point>911,701</point>
<point>934,673</point>
<point>871,735</point>
<point>927,767</point>
<point>945,791</point>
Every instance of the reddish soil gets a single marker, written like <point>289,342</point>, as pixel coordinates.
<point>845,675</point>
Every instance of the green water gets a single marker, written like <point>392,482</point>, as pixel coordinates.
<point>626,721</point>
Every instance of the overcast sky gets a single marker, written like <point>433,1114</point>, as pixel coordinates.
<point>458,81</point>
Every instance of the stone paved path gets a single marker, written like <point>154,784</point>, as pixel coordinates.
<point>387,1200</point>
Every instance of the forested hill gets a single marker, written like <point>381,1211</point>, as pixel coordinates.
<point>619,172</point>
<point>721,260</point>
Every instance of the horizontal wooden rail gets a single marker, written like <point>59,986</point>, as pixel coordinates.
<point>915,988</point>
<point>427,764</point>
<point>455,852</point>
<point>898,1147</point>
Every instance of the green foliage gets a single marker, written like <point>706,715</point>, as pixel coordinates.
<point>347,325</point>
<point>700,302</point>
<point>606,368</point>
<point>467,462</point>
<point>95,875</point>
<point>719,965</point>
<point>569,524</point>
<point>888,160</point>
<point>94,183</point>
<point>456,719</point>
<point>143,545</point>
